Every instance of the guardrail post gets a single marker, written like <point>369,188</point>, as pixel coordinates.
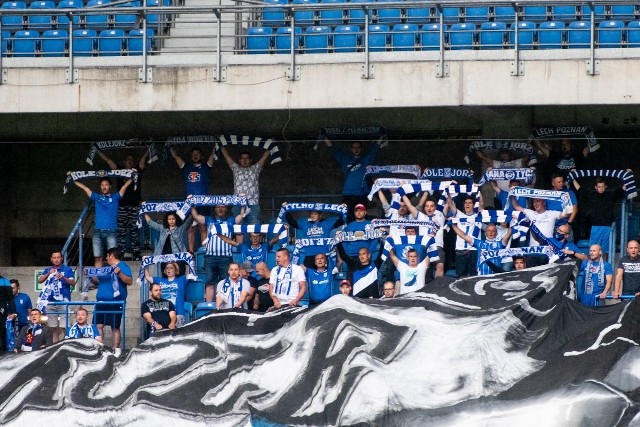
<point>71,73</point>
<point>293,72</point>
<point>219,72</point>
<point>517,66</point>
<point>144,74</point>
<point>593,66</point>
<point>442,69</point>
<point>367,68</point>
<point>3,72</point>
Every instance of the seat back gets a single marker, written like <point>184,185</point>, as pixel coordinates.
<point>273,16</point>
<point>461,36</point>
<point>346,38</point>
<point>41,21</point>
<point>358,16</point>
<point>492,35</point>
<point>564,13</point>
<point>476,14</point>
<point>333,16</point>
<point>418,14</point>
<point>54,43</point>
<point>623,12</point>
<point>259,40</point>
<point>579,35</point>
<point>83,42</point>
<point>305,17</point>
<point>6,36</point>
<point>317,39</point>
<point>535,13</point>
<point>430,36</point>
<point>610,34</point>
<point>378,37</point>
<point>12,22</point>
<point>633,34</point>
<point>134,43</point>
<point>526,34</point>
<point>126,21</point>
<point>551,35</point>
<point>404,37</point>
<point>25,43</point>
<point>98,21</point>
<point>111,42</point>
<point>283,39</point>
<point>388,15</point>
<point>63,20</point>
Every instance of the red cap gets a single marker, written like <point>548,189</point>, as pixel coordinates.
<point>345,282</point>
<point>360,206</point>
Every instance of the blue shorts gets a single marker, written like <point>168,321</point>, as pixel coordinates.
<point>600,236</point>
<point>102,241</point>
<point>110,319</point>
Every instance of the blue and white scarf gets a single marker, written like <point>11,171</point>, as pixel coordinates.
<point>427,241</point>
<point>357,236</point>
<point>588,280</point>
<point>77,331</point>
<point>378,223</point>
<point>360,132</point>
<point>525,175</point>
<point>561,196</point>
<point>84,175</point>
<point>422,185</point>
<point>231,293</point>
<point>203,200</point>
<point>560,132</point>
<point>454,190</point>
<point>278,288</point>
<point>51,286</point>
<point>250,141</point>
<point>627,177</point>
<point>122,143</point>
<point>185,257</point>
<point>90,272</point>
<point>518,230</point>
<point>391,184</point>
<point>486,254</point>
<point>315,241</point>
<point>386,170</point>
<point>448,174</point>
<point>518,147</point>
<point>279,229</point>
<point>306,207</point>
<point>147,207</point>
<point>195,140</point>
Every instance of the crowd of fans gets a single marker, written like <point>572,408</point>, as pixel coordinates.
<point>427,232</point>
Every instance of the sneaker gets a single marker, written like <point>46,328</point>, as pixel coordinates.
<point>117,352</point>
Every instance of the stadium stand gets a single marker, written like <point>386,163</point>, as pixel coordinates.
<point>25,43</point>
<point>345,38</point>
<point>551,34</point>
<point>378,37</point>
<point>404,37</point>
<point>54,43</point>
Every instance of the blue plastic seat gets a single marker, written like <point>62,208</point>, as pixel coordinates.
<point>195,291</point>
<point>579,35</point>
<point>526,34</point>
<point>504,13</point>
<point>204,308</point>
<point>419,14</point>
<point>274,16</point>
<point>155,19</point>
<point>63,20</point>
<point>25,43</point>
<point>610,34</point>
<point>389,16</point>
<point>134,43</point>
<point>83,42</point>
<point>430,36</point>
<point>283,39</point>
<point>461,35</point>
<point>345,38</point>
<point>6,36</point>
<point>404,37</point>
<point>476,14</point>
<point>305,17</point>
<point>111,42</point>
<point>599,12</point>
<point>492,35</point>
<point>317,38</point>
<point>126,20</point>
<point>551,34</point>
<point>357,16</point>
<point>623,12</point>
<point>13,22</point>
<point>40,22</point>
<point>450,15</point>
<point>535,13</point>
<point>378,37</point>
<point>633,34</point>
<point>333,16</point>
<point>563,13</point>
<point>259,40</point>
<point>97,21</point>
<point>54,43</point>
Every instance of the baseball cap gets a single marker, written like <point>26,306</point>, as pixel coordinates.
<point>247,266</point>
<point>360,206</point>
<point>345,282</point>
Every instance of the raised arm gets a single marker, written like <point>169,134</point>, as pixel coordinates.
<point>412,209</point>
<point>200,219</point>
<point>147,276</point>
<point>124,187</point>
<point>328,142</point>
<point>212,157</point>
<point>507,236</point>
<point>263,159</point>
<point>486,160</point>
<point>464,236</point>
<point>394,258</point>
<point>228,240</point>
<point>143,161</point>
<point>107,160</point>
<point>452,205</point>
<point>238,219</point>
<point>544,149</point>
<point>515,205</point>
<point>83,187</point>
<point>177,158</point>
<point>227,156</point>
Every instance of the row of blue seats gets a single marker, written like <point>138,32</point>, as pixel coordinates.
<point>55,43</point>
<point>95,21</point>
<point>276,17</point>
<point>403,37</point>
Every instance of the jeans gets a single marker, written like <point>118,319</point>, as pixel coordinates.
<point>103,240</point>
<point>215,268</point>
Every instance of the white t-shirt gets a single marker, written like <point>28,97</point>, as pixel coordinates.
<point>438,218</point>
<point>411,278</point>
<point>467,228</point>
<point>511,164</point>
<point>545,222</point>
<point>231,291</point>
<point>286,282</point>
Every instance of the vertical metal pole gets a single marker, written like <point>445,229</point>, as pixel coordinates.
<point>124,324</point>
<point>441,72</point>
<point>1,55</point>
<point>70,78</point>
<point>592,55</point>
<point>80,258</point>
<point>218,71</point>
<point>291,73</point>
<point>366,72</point>
<point>623,228</point>
<point>144,43</point>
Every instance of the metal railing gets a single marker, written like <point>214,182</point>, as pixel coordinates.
<point>73,248</point>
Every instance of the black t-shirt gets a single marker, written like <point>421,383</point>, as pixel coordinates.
<point>159,311</point>
<point>262,293</point>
